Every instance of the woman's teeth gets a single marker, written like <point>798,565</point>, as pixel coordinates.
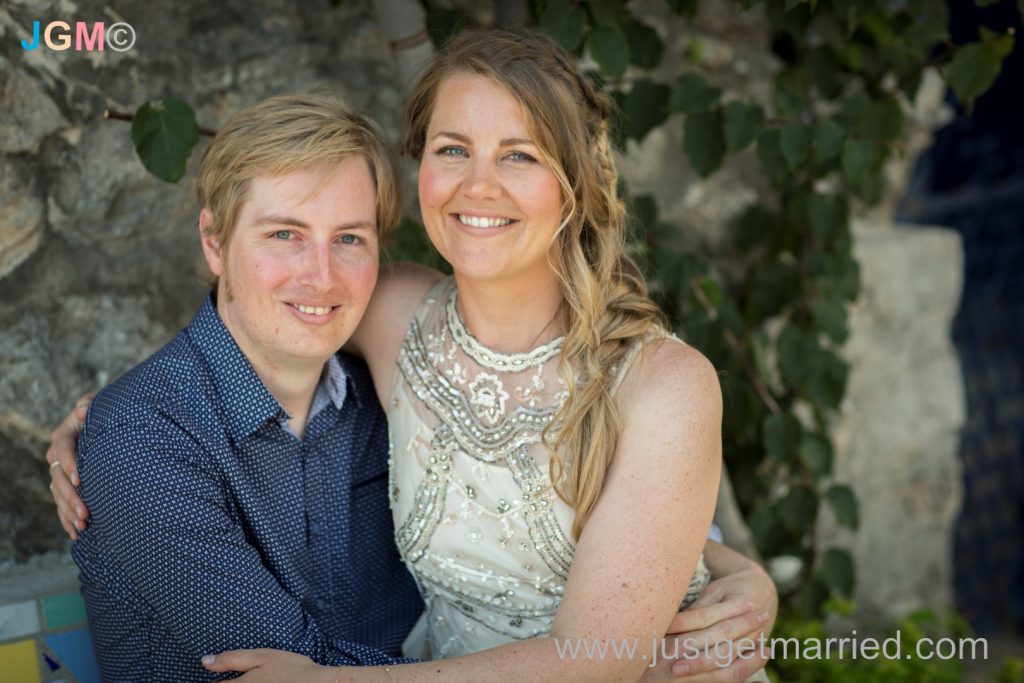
<point>313,310</point>
<point>482,222</point>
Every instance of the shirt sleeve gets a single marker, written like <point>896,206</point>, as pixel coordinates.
<point>165,522</point>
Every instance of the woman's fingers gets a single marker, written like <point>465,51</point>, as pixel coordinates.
<point>698,617</point>
<point>234,660</point>
<point>70,507</point>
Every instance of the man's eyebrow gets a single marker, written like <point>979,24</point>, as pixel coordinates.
<point>507,142</point>
<point>275,219</point>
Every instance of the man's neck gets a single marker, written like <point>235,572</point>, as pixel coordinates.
<point>293,387</point>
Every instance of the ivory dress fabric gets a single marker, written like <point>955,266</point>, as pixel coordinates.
<point>476,519</point>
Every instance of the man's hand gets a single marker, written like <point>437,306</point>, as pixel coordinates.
<point>64,471</point>
<point>737,607</point>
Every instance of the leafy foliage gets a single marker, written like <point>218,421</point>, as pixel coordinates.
<point>164,133</point>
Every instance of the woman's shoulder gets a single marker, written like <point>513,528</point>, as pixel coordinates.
<point>671,377</point>
<point>400,289</point>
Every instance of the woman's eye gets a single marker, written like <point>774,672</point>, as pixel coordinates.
<point>452,151</point>
<point>351,239</point>
<point>281,234</point>
<point>521,156</point>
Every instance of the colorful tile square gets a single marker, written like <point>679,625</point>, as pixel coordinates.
<point>73,650</point>
<point>19,619</point>
<point>18,662</point>
<point>67,609</point>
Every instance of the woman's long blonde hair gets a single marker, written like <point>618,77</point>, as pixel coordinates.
<point>606,307</point>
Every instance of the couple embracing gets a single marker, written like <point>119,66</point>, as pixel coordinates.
<point>498,462</point>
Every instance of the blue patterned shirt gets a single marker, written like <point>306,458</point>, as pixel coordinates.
<point>213,527</point>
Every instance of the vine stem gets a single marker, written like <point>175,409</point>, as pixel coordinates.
<point>736,347</point>
<point>124,116</point>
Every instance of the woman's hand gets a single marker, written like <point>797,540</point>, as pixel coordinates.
<point>270,666</point>
<point>734,611</point>
<point>64,471</point>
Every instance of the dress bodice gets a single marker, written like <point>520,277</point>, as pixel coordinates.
<point>476,518</point>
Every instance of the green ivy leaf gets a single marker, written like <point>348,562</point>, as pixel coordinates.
<point>645,107</point>
<point>810,598</point>
<point>828,140</point>
<point>827,217</point>
<point>645,46</point>
<point>773,286</point>
<point>796,347</point>
<point>742,123</point>
<point>825,381</point>
<point>780,436</point>
<point>565,22</point>
<point>693,94</point>
<point>769,153</point>
<point>164,132</point>
<point>787,96</point>
<point>767,529</point>
<point>929,27</point>
<point>1001,43</point>
<point>644,211</point>
<point>798,510</point>
<point>860,157</point>
<point>443,23</point>
<point>972,71</point>
<point>609,12</point>
<point>609,49</point>
<point>704,141</point>
<point>844,505</point>
<point>836,571</point>
<point>796,144</point>
<point>829,312</point>
<point>816,453</point>
<point>686,8</point>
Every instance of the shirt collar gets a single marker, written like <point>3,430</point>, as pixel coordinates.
<point>242,396</point>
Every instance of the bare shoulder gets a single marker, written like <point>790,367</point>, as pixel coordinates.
<point>400,288</point>
<point>378,338</point>
<point>674,378</point>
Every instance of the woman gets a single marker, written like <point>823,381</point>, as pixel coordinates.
<point>542,422</point>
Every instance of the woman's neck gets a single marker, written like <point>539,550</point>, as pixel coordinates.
<point>511,317</point>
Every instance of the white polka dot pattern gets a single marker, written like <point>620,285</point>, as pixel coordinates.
<point>214,528</point>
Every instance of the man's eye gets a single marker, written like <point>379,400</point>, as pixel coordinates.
<point>351,239</point>
<point>282,234</point>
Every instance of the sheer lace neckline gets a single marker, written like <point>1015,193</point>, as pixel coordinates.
<point>488,358</point>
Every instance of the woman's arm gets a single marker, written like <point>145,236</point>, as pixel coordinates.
<point>378,337</point>
<point>631,564</point>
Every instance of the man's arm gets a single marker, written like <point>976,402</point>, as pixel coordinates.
<point>165,522</point>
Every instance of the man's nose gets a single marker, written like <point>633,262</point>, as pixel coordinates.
<point>318,266</point>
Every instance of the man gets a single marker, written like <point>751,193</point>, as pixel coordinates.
<point>237,478</point>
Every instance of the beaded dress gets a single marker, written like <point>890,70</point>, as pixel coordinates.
<point>476,520</point>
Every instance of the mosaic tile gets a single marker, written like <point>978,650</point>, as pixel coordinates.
<point>67,609</point>
<point>19,619</point>
<point>18,662</point>
<point>73,650</point>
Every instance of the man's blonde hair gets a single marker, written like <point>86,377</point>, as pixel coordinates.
<point>287,133</point>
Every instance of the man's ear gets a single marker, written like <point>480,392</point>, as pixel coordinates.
<point>212,251</point>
